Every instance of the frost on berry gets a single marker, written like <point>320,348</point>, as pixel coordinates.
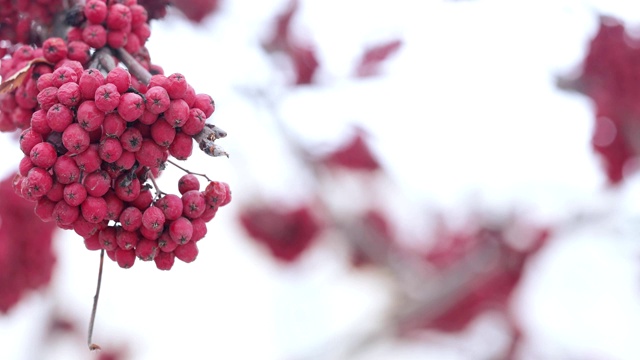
<point>193,204</point>
<point>119,77</point>
<point>131,218</point>
<point>75,139</point>
<point>153,218</point>
<point>171,206</point>
<point>188,182</point>
<point>131,106</point>
<point>54,49</point>
<point>107,97</point>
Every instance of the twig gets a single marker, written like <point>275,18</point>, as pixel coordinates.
<point>189,171</point>
<point>159,192</point>
<point>134,66</point>
<point>91,345</point>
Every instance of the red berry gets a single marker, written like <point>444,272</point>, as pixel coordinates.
<point>195,123</point>
<point>150,154</point>
<point>97,183</point>
<point>164,260</point>
<point>94,209</point>
<point>131,106</point>
<point>107,97</point>
<point>69,94</point>
<point>43,155</point>
<point>205,103</point>
<point>110,150</point>
<point>153,218</point>
<point>89,116</point>
<point>47,97</point>
<point>131,219</point>
<point>126,239</point>
<point>157,99</point>
<point>121,78</point>
<point>125,258</point>
<point>74,194</point>
<point>63,75</point>
<point>187,252</point>
<point>95,11</point>
<point>59,117</point>
<point>25,165</point>
<point>193,204</point>
<point>75,139</point>
<point>178,113</point>
<point>163,133</point>
<point>39,122</point>
<point>188,182</point>
<point>44,209</point>
<point>89,82</point>
<point>119,17</point>
<point>79,51</point>
<point>127,189</point>
<point>84,228</point>
<point>131,139</point>
<point>107,238</point>
<point>89,160</point>
<point>113,125</point>
<point>65,214</point>
<point>56,193</point>
<point>147,249</point>
<point>66,170</point>
<point>38,182</point>
<point>95,36</point>
<point>115,206</point>
<point>28,139</point>
<point>92,242</point>
<point>181,230</point>
<point>171,206</point>
<point>54,49</point>
<point>176,86</point>
<point>199,229</point>
<point>182,146</point>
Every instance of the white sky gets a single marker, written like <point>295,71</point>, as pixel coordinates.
<point>466,113</point>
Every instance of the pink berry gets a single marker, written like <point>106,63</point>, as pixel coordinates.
<point>69,94</point>
<point>110,150</point>
<point>199,229</point>
<point>178,113</point>
<point>63,75</point>
<point>38,182</point>
<point>44,209</point>
<point>153,218</point>
<point>43,155</point>
<point>163,133</point>
<point>126,239</point>
<point>66,170</point>
<point>157,100</point>
<point>181,230</point>
<point>89,116</point>
<point>28,139</point>
<point>143,200</point>
<point>195,123</point>
<point>131,139</point>
<point>121,78</point>
<point>59,117</point>
<point>115,206</point>
<point>176,86</point>
<point>205,103</point>
<point>95,36</point>
<point>119,17</point>
<point>181,147</point>
<point>95,11</point>
<point>127,189</point>
<point>65,214</point>
<point>92,242</point>
<point>171,206</point>
<point>48,97</point>
<point>89,160</point>
<point>89,82</point>
<point>54,49</point>
<point>193,204</point>
<point>79,51</point>
<point>84,228</point>
<point>97,183</point>
<point>113,125</point>
<point>150,154</point>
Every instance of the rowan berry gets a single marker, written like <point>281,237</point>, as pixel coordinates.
<point>43,155</point>
<point>205,103</point>
<point>48,97</point>
<point>117,38</point>
<point>209,213</point>
<point>150,154</point>
<point>153,218</point>
<point>115,206</point>
<point>54,49</point>
<point>178,113</point>
<point>195,123</point>
<point>110,149</point>
<point>157,99</point>
<point>187,252</point>
<point>95,11</point>
<point>94,209</point>
<point>107,238</point>
<point>84,228</point>
<point>44,209</point>
<point>107,97</point>
<point>59,117</point>
<point>188,182</point>
<point>147,118</point>
<point>63,75</point>
<point>89,116</point>
<point>113,125</point>
<point>75,139</point>
<point>37,182</point>
<point>97,183</point>
<point>158,80</point>
<point>166,243</point>
<point>25,165</point>
<point>69,94</point>
<point>28,139</point>
<point>89,160</point>
<point>56,193</point>
<point>193,204</point>
<point>164,260</point>
<point>176,86</point>
<point>181,230</point>
<point>74,194</point>
<point>118,17</point>
<point>125,258</point>
<point>131,218</point>
<point>65,214</point>
<point>163,133</point>
<point>89,82</point>
<point>147,249</point>
<point>181,147</point>
<point>95,36</point>
<point>133,43</point>
<point>127,189</point>
<point>199,228</point>
<point>126,239</point>
<point>131,139</point>
<point>79,51</point>
<point>190,96</point>
<point>171,206</point>
<point>66,170</point>
<point>92,243</point>
<point>121,78</point>
<point>44,81</point>
<point>131,106</point>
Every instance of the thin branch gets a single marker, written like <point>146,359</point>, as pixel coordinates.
<point>189,171</point>
<point>159,193</point>
<point>134,66</point>
<point>91,345</point>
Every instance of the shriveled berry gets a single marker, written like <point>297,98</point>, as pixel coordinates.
<point>48,97</point>
<point>39,122</point>
<point>37,182</point>
<point>63,75</point>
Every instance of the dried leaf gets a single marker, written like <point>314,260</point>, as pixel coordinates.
<point>18,78</point>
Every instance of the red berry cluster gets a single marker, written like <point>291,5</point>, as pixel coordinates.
<point>91,146</point>
<point>26,256</point>
<point>117,24</point>
<point>17,17</point>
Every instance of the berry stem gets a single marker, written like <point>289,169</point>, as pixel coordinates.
<point>93,346</point>
<point>189,171</point>
<point>159,192</point>
<point>134,66</point>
